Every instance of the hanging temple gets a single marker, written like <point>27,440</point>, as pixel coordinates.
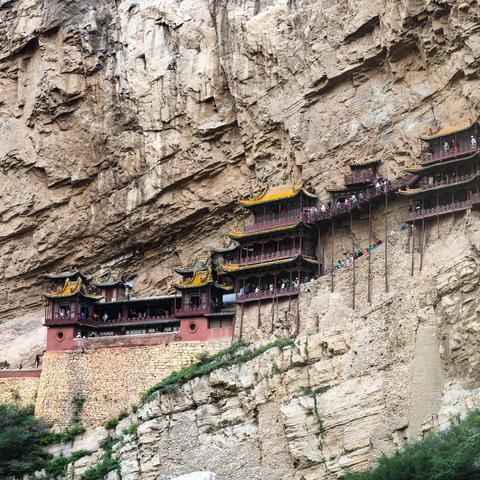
<point>270,259</point>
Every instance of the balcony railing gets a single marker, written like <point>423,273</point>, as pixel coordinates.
<point>266,294</point>
<point>312,215</point>
<point>464,148</point>
<point>290,218</point>
<point>440,210</point>
<point>451,181</point>
<point>267,257</point>
<point>72,320</point>
<point>193,310</point>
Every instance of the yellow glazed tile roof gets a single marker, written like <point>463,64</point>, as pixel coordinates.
<point>199,279</point>
<point>236,235</point>
<point>239,268</point>
<point>272,194</point>
<point>448,131</point>
<point>71,288</point>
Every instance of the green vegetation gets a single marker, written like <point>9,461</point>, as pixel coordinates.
<point>106,465</point>
<point>113,422</point>
<point>21,448</point>
<point>22,444</point>
<point>453,454</point>
<point>67,435</point>
<point>235,354</point>
<point>131,429</point>
<point>78,401</point>
<point>58,466</point>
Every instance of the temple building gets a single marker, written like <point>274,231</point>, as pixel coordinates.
<point>447,175</point>
<point>204,310</point>
<point>56,281</point>
<point>363,176</point>
<point>277,253</point>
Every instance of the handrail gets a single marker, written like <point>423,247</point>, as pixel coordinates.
<point>427,158</point>
<point>267,294</point>
<point>268,256</point>
<point>450,181</point>
<point>279,222</point>
<point>439,210</point>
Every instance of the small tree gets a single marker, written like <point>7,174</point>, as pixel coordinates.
<point>21,450</point>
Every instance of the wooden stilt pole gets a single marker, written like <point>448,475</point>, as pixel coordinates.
<point>438,222</point>
<point>241,323</point>
<point>353,262</point>
<point>259,320</point>
<point>332,286</point>
<point>413,248</point>
<point>369,283</point>
<point>297,328</point>
<point>422,234</point>
<point>386,242</point>
<point>273,314</point>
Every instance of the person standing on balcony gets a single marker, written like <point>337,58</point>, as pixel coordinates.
<point>446,147</point>
<point>454,145</point>
<point>473,142</point>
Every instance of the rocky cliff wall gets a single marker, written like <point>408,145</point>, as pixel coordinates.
<point>129,129</point>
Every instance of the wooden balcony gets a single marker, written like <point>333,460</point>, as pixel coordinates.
<point>371,195</point>
<point>193,311</point>
<point>265,295</point>
<point>118,322</point>
<point>283,221</point>
<point>268,257</point>
<point>450,182</point>
<point>475,201</point>
<point>464,148</point>
<point>438,211</point>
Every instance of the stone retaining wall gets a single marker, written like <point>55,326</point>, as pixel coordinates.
<point>110,379</point>
<point>19,386</point>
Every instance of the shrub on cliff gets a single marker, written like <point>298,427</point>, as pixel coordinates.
<point>236,354</point>
<point>453,454</point>
<point>21,448</point>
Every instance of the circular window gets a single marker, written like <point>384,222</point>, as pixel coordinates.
<point>192,327</point>
<point>60,336</point>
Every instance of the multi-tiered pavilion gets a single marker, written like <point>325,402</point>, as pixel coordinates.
<point>277,252</point>
<point>447,175</point>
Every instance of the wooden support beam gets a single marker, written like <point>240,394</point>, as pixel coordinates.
<point>386,242</point>
<point>369,274</point>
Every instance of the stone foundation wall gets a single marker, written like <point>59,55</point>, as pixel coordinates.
<point>110,379</point>
<point>19,386</point>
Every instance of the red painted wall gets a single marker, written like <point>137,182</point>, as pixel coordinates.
<point>60,338</point>
<point>191,330</point>
<point>196,328</point>
<point>19,373</point>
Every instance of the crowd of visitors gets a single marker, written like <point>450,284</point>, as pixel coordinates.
<point>453,145</point>
<point>282,284</point>
<point>346,203</point>
<point>351,256</point>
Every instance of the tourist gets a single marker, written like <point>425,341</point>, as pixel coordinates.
<point>473,142</point>
<point>257,290</point>
<point>270,288</point>
<point>418,207</point>
<point>105,316</point>
<point>323,209</point>
<point>37,361</point>
<point>454,145</point>
<point>79,335</point>
<point>446,147</point>
<point>354,199</point>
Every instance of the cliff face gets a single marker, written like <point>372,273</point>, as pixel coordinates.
<point>129,129</point>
